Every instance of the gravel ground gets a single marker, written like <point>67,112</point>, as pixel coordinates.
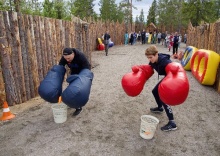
<point>110,122</point>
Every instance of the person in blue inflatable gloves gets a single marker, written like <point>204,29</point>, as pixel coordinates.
<point>76,61</point>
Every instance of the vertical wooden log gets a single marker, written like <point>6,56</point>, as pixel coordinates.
<point>38,47</point>
<point>2,83</point>
<point>43,46</point>
<point>58,40</point>
<point>72,34</point>
<point>33,56</point>
<point>7,87</point>
<point>67,33</point>
<point>16,50</point>
<point>48,43</point>
<point>20,64</point>
<point>9,34</point>
<point>54,41</point>
<point>10,88</point>
<point>62,34</point>
<point>28,56</point>
<point>24,56</point>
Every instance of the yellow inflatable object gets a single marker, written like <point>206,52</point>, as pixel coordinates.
<point>204,65</point>
<point>149,38</point>
<point>187,55</point>
<point>100,40</point>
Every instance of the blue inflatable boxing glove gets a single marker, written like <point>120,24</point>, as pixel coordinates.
<point>133,82</point>
<point>76,95</point>
<point>51,87</point>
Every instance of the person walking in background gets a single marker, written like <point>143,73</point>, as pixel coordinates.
<point>126,36</point>
<point>154,38</point>
<point>175,43</point>
<point>180,40</point>
<point>147,36</point>
<point>163,41</point>
<point>159,37</point>
<point>131,38</point>
<point>143,35</point>
<point>185,38</point>
<point>139,36</point>
<point>170,41</point>
<point>135,37</point>
<point>106,41</point>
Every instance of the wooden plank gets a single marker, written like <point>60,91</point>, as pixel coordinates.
<point>48,49</point>
<point>16,50</point>
<point>33,57</point>
<point>54,41</point>
<point>2,83</point>
<point>38,47</point>
<point>10,88</point>
<point>43,46</point>
<point>58,40</point>
<point>23,56</point>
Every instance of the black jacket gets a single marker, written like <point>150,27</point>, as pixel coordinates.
<point>160,65</point>
<point>78,63</point>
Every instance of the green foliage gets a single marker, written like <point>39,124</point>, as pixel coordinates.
<point>197,11</point>
<point>108,10</point>
<point>141,17</point>
<point>152,13</point>
<point>83,8</point>
<point>5,5</point>
<point>175,13</point>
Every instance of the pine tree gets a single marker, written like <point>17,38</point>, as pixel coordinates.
<point>152,13</point>
<point>83,8</point>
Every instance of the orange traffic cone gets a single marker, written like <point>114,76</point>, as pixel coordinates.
<point>7,115</point>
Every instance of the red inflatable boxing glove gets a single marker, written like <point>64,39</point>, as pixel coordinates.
<point>133,82</point>
<point>174,88</point>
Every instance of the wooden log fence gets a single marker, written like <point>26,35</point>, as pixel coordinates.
<point>206,36</point>
<point>31,45</point>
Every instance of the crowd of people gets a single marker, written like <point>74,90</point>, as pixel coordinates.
<point>169,40</point>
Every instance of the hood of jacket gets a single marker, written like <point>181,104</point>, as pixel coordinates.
<point>160,65</point>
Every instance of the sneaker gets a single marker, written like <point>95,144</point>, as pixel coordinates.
<point>156,110</point>
<point>171,126</point>
<point>77,112</point>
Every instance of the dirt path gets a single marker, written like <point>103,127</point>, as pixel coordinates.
<point>110,122</point>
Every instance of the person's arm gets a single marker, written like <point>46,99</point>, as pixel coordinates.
<point>83,60</point>
<point>62,61</point>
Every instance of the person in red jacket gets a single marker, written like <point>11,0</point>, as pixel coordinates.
<point>159,61</point>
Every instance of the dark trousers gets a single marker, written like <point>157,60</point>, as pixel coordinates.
<point>160,103</point>
<point>106,49</point>
<point>175,48</point>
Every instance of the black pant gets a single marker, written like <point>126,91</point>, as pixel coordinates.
<point>160,103</point>
<point>175,48</point>
<point>106,49</point>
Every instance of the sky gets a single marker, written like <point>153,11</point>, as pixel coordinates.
<point>144,4</point>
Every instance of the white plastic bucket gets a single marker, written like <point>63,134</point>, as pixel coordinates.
<point>59,112</point>
<point>148,126</point>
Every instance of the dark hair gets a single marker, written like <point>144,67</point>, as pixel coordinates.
<point>67,51</point>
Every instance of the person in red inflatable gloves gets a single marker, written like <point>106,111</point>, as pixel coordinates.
<point>172,90</point>
<point>159,62</point>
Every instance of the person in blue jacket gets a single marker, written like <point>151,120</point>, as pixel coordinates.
<point>76,61</point>
<point>159,61</point>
